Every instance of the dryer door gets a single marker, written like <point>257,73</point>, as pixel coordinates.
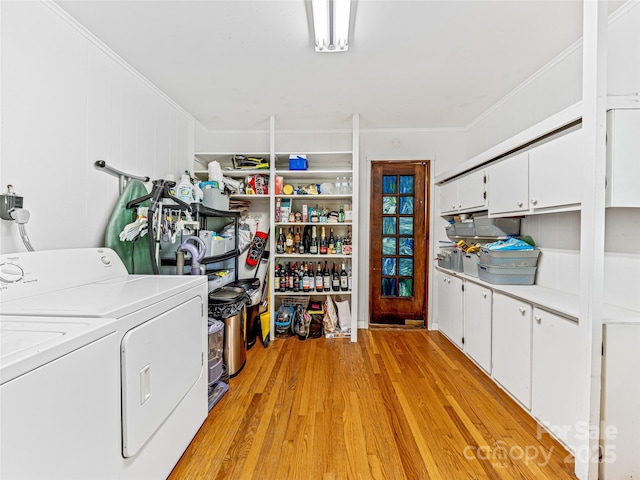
<point>161,361</point>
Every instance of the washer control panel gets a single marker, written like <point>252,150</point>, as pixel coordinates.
<point>37,273</point>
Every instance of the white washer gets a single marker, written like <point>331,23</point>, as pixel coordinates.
<point>161,341</point>
<point>56,395</point>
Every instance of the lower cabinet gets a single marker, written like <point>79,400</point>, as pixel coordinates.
<point>450,307</point>
<point>556,399</point>
<point>511,346</point>
<point>477,324</point>
<point>620,409</point>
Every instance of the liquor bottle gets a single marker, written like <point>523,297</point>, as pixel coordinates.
<point>323,242</point>
<point>338,245</point>
<point>347,246</point>
<point>313,247</point>
<point>326,278</point>
<point>296,241</point>
<point>332,243</point>
<point>281,241</point>
<point>296,278</point>
<point>335,282</point>
<point>288,246</point>
<point>319,279</point>
<point>341,214</point>
<point>306,284</point>
<point>301,278</point>
<point>276,279</point>
<point>344,280</point>
<point>350,279</point>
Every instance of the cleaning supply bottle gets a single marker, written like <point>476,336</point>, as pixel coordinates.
<point>184,189</point>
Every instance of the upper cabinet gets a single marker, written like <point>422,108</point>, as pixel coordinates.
<point>623,158</point>
<point>545,178</point>
<point>464,194</point>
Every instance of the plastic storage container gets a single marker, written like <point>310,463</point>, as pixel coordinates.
<point>444,259</point>
<point>509,258</point>
<point>507,275</point>
<point>470,264</point>
<point>297,162</point>
<point>456,260</point>
<point>496,227</point>
<point>466,229</point>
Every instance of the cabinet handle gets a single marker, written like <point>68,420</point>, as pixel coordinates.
<point>453,206</point>
<point>519,203</point>
<point>484,294</point>
<point>538,318</point>
<point>534,201</point>
<point>460,205</point>
<point>522,310</point>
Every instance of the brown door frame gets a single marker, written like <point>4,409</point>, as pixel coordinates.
<point>427,231</point>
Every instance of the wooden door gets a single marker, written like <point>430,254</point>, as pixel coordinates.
<point>398,243</point>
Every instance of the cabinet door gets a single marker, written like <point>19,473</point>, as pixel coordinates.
<point>508,189</point>
<point>623,152</point>
<point>449,197</point>
<point>555,385</point>
<point>471,191</point>
<point>620,434</point>
<point>450,308</point>
<point>477,324</point>
<point>511,346</point>
<point>555,172</point>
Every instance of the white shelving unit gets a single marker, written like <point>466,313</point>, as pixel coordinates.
<point>330,154</point>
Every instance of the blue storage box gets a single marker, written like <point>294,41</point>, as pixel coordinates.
<point>298,162</point>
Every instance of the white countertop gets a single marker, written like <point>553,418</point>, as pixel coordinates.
<point>559,302</point>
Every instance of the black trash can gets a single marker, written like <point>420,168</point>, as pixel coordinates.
<point>228,304</point>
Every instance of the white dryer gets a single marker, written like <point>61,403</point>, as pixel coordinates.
<point>160,331</point>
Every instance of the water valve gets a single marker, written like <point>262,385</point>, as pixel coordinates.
<point>9,202</point>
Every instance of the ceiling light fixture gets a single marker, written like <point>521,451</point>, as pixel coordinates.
<point>331,24</point>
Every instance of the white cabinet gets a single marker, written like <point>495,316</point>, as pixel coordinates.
<point>623,158</point>
<point>544,178</point>
<point>477,324</point>
<point>555,386</point>
<point>450,307</point>
<point>464,194</point>
<point>620,409</point>
<point>511,346</point>
<point>508,189</point>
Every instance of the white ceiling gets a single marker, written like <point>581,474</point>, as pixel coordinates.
<point>411,64</point>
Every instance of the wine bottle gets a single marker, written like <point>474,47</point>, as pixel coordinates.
<point>335,282</point>
<point>323,242</point>
<point>344,280</point>
<point>292,275</point>
<point>296,278</point>
<point>296,241</point>
<point>288,246</point>
<point>326,278</point>
<point>276,279</point>
<point>338,245</point>
<point>306,284</point>
<point>331,248</point>
<point>313,247</point>
<point>341,214</point>
<point>281,241</point>
<point>319,279</point>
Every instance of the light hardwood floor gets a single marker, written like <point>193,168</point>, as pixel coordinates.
<point>398,404</point>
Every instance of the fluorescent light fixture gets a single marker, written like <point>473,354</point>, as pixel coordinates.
<point>331,24</point>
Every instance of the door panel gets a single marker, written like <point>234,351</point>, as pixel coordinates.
<point>398,243</point>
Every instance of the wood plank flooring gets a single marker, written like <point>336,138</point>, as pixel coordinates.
<point>398,404</point>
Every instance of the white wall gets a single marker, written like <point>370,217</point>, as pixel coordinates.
<point>68,101</point>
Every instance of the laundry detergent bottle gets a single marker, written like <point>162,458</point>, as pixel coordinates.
<point>184,189</point>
